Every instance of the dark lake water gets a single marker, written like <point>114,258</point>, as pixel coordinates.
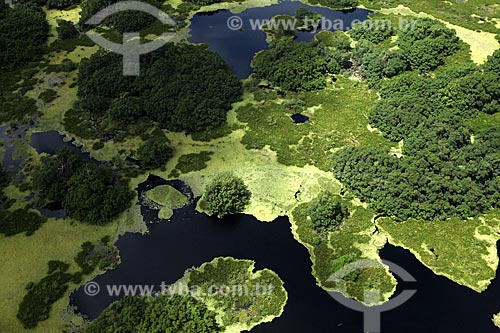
<point>299,118</point>
<point>191,239</point>
<point>49,142</point>
<point>238,47</point>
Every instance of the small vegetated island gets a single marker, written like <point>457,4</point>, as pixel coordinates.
<point>402,145</point>
<point>225,294</point>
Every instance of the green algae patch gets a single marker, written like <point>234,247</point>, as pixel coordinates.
<point>462,250</point>
<point>496,320</point>
<point>167,196</point>
<point>353,241</point>
<point>458,12</point>
<point>338,118</point>
<point>241,296</point>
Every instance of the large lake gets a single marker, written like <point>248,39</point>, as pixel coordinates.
<point>238,47</point>
<point>191,239</point>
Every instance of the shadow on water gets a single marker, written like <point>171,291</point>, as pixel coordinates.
<point>238,47</point>
<point>191,239</point>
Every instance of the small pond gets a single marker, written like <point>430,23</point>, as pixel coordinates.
<point>299,118</point>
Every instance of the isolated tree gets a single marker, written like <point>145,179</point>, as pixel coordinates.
<point>226,194</point>
<point>66,29</point>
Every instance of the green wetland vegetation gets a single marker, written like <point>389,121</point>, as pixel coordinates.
<point>402,145</point>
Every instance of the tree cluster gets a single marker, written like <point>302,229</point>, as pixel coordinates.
<point>66,29</point>
<point>20,220</point>
<point>206,2</point>
<point>23,33</point>
<point>377,63</point>
<point>410,99</point>
<point>441,174</point>
<point>156,314</point>
<point>155,152</point>
<point>307,19</point>
<point>225,194</point>
<point>336,3</point>
<point>169,91</point>
<point>327,212</point>
<point>87,192</point>
<point>37,302</point>
<point>127,21</point>
<point>371,31</point>
<point>61,4</point>
<point>294,66</point>
<point>425,44</point>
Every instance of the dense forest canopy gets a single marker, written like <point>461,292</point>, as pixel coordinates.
<point>87,192</point>
<point>23,33</point>
<point>126,21</point>
<point>181,87</point>
<point>444,170</point>
<point>409,99</point>
<point>156,314</point>
<point>425,43</point>
<point>302,66</point>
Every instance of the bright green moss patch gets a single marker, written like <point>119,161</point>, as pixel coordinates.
<point>167,196</point>
<point>462,250</point>
<point>496,320</point>
<point>338,118</point>
<point>241,296</point>
<point>463,13</point>
<point>333,250</point>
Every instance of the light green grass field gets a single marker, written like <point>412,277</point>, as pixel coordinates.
<point>462,250</point>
